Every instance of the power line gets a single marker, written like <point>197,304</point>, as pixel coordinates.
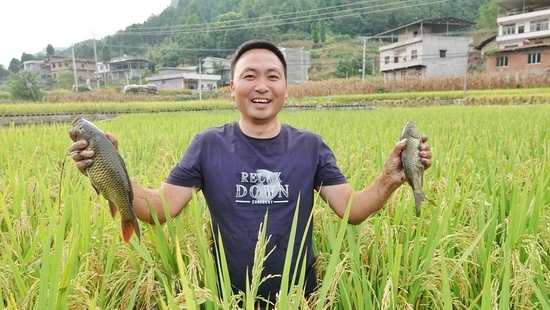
<point>244,24</point>
<point>202,25</point>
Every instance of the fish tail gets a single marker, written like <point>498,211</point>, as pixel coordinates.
<point>129,227</point>
<point>418,197</point>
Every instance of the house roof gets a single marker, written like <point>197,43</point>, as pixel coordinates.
<point>443,24</point>
<point>520,4</point>
<point>485,42</point>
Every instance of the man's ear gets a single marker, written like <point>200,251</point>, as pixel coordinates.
<point>232,89</point>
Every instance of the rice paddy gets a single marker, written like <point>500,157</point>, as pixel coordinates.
<point>485,246</point>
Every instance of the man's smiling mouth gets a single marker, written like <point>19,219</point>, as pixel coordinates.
<point>264,101</point>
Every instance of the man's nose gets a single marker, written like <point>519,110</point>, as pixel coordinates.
<point>261,85</point>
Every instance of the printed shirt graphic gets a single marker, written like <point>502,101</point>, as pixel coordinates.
<point>243,178</point>
<point>261,187</point>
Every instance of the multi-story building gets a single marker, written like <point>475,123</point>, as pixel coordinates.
<point>298,62</point>
<point>523,39</point>
<point>430,47</point>
<point>39,68</point>
<point>84,68</point>
<point>121,69</point>
<point>218,66</point>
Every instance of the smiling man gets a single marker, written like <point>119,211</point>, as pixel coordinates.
<point>257,166</point>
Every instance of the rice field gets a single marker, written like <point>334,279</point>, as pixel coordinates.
<point>485,246</point>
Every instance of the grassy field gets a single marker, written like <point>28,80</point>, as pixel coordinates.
<point>485,246</point>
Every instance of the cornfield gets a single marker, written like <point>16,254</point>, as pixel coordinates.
<point>485,246</point>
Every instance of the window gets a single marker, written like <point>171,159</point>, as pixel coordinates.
<point>521,28</point>
<point>387,60</point>
<point>538,25</point>
<point>533,58</point>
<point>442,53</point>
<point>508,29</point>
<point>395,59</point>
<point>502,61</point>
<point>414,54</point>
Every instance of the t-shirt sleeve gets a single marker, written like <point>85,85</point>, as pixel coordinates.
<point>328,172</point>
<point>188,172</point>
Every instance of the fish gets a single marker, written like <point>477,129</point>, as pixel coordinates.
<point>414,169</point>
<point>108,175</point>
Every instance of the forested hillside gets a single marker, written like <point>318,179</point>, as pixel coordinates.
<point>201,28</point>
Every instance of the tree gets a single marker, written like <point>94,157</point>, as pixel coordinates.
<point>322,31</point>
<point>105,55</point>
<point>347,67</point>
<point>26,57</point>
<point>3,72</point>
<point>234,32</point>
<point>14,65</point>
<point>315,33</point>
<point>50,50</point>
<point>487,19</point>
<point>24,86</point>
<point>65,79</point>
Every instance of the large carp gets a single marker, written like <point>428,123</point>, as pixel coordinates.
<point>108,175</point>
<point>414,169</point>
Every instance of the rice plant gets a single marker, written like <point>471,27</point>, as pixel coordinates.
<point>485,246</point>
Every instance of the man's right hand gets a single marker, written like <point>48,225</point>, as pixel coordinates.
<point>80,155</point>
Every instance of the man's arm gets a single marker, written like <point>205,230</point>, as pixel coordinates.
<point>176,198</point>
<point>371,199</point>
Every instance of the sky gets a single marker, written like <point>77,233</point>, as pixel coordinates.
<point>29,26</point>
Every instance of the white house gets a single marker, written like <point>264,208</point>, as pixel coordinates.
<point>523,39</point>
<point>121,69</point>
<point>218,66</point>
<point>180,78</point>
<point>428,48</point>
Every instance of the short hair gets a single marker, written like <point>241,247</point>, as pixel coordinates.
<point>256,44</point>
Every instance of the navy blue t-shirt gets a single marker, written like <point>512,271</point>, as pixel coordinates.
<point>242,178</point>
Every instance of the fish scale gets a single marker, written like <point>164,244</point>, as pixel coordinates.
<point>108,175</point>
<point>414,169</point>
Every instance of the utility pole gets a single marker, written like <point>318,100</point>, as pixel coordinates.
<point>200,79</point>
<point>466,78</point>
<point>364,58</point>
<point>74,70</point>
<point>95,59</point>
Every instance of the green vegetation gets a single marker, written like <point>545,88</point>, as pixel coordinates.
<point>24,86</point>
<point>484,246</point>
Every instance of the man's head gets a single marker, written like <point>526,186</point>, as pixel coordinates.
<point>256,44</point>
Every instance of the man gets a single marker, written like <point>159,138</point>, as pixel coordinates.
<point>257,165</point>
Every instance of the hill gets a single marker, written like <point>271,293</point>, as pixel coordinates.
<point>330,29</point>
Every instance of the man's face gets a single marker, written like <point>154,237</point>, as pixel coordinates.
<point>259,86</point>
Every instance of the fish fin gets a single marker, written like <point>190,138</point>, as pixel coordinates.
<point>95,188</point>
<point>128,228</point>
<point>418,197</point>
<point>113,208</point>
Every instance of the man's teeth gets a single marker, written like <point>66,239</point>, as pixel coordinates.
<point>260,100</point>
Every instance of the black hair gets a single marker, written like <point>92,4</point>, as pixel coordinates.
<point>256,44</point>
